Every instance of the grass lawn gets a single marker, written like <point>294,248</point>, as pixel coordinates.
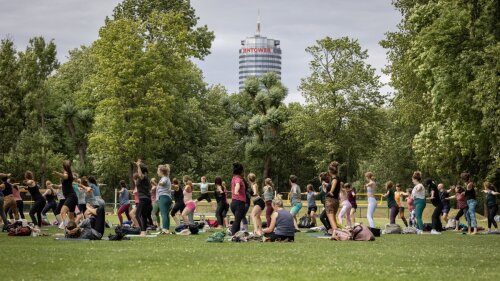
<point>450,256</point>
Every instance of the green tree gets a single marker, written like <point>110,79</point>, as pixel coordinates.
<point>342,117</point>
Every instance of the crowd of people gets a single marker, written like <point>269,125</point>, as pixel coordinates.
<point>79,208</point>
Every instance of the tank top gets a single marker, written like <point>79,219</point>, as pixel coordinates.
<point>90,198</point>
<point>67,186</point>
<point>370,191</point>
<point>470,194</point>
<point>50,197</point>
<point>491,199</point>
<point>390,199</point>
<point>16,194</point>
<point>221,197</point>
<point>179,196</point>
<point>418,194</point>
<point>397,197</point>
<point>8,187</point>
<point>295,199</point>
<point>284,224</point>
<point>188,196</point>
<point>35,193</point>
<point>351,197</point>
<point>336,189</point>
<point>268,194</point>
<point>203,187</point>
<point>136,196</point>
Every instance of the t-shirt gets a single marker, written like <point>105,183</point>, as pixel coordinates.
<point>435,201</point>
<point>164,187</point>
<point>16,194</point>
<point>143,188</point>
<point>391,202</point>
<point>268,194</point>
<point>351,196</point>
<point>336,189</point>
<point>461,202</point>
<point>204,187</point>
<point>311,199</point>
<point>35,193</point>
<point>295,190</point>
<point>442,196</point>
<point>8,187</point>
<point>179,196</point>
<point>81,196</point>
<point>124,197</point>
<point>240,196</point>
<point>418,194</point>
<point>96,189</point>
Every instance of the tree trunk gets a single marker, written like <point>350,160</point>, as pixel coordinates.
<point>131,175</point>
<point>267,162</point>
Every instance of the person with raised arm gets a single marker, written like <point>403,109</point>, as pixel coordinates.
<point>491,204</point>
<point>145,207</point>
<point>371,187</point>
<point>71,200</point>
<point>36,196</point>
<point>418,194</point>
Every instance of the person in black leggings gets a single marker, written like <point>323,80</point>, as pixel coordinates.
<point>179,201</point>
<point>491,203</point>
<point>222,205</point>
<point>437,226</point>
<point>71,200</point>
<point>145,207</point>
<point>238,190</point>
<point>36,196</point>
<point>50,196</point>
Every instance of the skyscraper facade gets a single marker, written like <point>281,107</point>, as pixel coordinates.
<point>258,55</point>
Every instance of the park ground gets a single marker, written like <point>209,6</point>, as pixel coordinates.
<point>450,256</point>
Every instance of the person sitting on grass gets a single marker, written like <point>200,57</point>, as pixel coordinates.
<point>91,228</point>
<point>282,226</point>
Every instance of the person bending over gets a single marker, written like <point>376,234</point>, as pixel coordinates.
<point>282,226</point>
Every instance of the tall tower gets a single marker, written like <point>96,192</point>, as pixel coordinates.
<point>259,55</point>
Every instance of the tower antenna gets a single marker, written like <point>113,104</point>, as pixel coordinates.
<point>258,23</point>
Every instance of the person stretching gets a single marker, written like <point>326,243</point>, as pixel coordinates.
<point>50,196</point>
<point>179,201</point>
<point>238,200</point>
<point>437,226</point>
<point>411,206</point>
<point>69,193</point>
<point>222,205</point>
<point>332,197</point>
<point>282,227</point>
<point>144,209</point>
<point>391,202</point>
<point>268,197</point>
<point>312,209</point>
<point>204,190</point>
<point>155,213</point>
<point>470,197</point>
<point>443,195</point>
<point>346,205</point>
<point>295,199</point>
<point>164,192</point>
<point>91,228</point>
<point>399,197</point>
<point>36,196</point>
<point>491,203</point>
<point>461,205</point>
<point>418,194</point>
<point>123,194</point>
<point>189,202</point>
<point>258,205</point>
<point>351,196</point>
<point>19,200</point>
<point>371,187</point>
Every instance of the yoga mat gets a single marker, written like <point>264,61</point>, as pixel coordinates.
<point>138,235</point>
<point>70,239</point>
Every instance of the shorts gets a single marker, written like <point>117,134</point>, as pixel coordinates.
<point>402,210</point>
<point>446,210</point>
<point>71,202</point>
<point>82,208</point>
<point>354,206</point>
<point>259,202</point>
<point>204,196</point>
<point>191,205</point>
<point>331,205</point>
<point>296,208</point>
<point>178,207</point>
<point>310,209</point>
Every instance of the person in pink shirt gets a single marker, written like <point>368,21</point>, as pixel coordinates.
<point>411,206</point>
<point>238,196</point>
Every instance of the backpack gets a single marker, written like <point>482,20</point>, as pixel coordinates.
<point>392,229</point>
<point>305,222</point>
<point>343,235</point>
<point>375,231</point>
<point>362,233</point>
<point>194,229</point>
<point>212,223</point>
<point>127,230</point>
<point>20,231</point>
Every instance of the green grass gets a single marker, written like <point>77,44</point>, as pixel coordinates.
<point>450,256</point>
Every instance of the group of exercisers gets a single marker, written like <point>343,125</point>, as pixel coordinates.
<point>79,207</point>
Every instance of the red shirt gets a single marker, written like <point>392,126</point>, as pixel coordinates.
<point>240,196</point>
<point>462,204</point>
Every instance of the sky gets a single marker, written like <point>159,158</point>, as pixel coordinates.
<point>296,23</point>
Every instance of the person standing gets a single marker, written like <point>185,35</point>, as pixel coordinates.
<point>50,196</point>
<point>19,200</point>
<point>295,199</point>
<point>123,194</point>
<point>222,205</point>
<point>268,197</point>
<point>461,205</point>
<point>179,201</point>
<point>324,179</point>
<point>470,197</point>
<point>155,213</point>
<point>144,209</point>
<point>351,196</point>
<point>346,205</point>
<point>97,191</point>
<point>238,190</point>
<point>411,206</point>
<point>391,202</point>
<point>443,195</point>
<point>332,197</point>
<point>371,187</point>
<point>36,196</point>
<point>71,200</point>
<point>418,194</point>
<point>437,226</point>
<point>164,193</point>
<point>399,197</point>
<point>9,202</point>
<point>491,203</point>
<point>312,209</point>
<point>258,205</point>
<point>2,212</point>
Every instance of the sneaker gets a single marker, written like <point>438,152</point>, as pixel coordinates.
<point>435,232</point>
<point>419,231</point>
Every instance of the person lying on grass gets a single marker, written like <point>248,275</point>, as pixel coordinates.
<point>282,226</point>
<point>91,228</point>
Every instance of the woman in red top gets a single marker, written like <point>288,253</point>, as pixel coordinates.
<point>411,206</point>
<point>238,197</point>
<point>461,204</point>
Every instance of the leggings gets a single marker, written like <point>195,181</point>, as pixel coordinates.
<point>419,210</point>
<point>52,205</point>
<point>155,213</point>
<point>345,211</point>
<point>59,206</point>
<point>221,212</point>
<point>238,209</point>
<point>20,209</point>
<point>372,205</point>
<point>244,220</point>
<point>393,214</point>
<point>269,211</point>
<point>436,218</point>
<point>143,212</point>
<point>324,219</point>
<point>470,215</point>
<point>402,215</point>
<point>459,214</point>
<point>37,209</point>
<point>165,205</point>
<point>123,209</point>
<point>492,211</point>
<point>412,217</point>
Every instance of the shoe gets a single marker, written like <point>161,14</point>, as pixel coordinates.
<point>419,231</point>
<point>435,232</point>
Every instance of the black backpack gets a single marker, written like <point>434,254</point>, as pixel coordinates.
<point>305,222</point>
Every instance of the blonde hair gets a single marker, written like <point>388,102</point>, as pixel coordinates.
<point>164,169</point>
<point>153,181</point>
<point>251,177</point>
<point>277,201</point>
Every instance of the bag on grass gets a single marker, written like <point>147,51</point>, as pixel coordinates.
<point>20,231</point>
<point>362,233</point>
<point>305,222</point>
<point>375,231</point>
<point>127,230</point>
<point>343,235</point>
<point>392,229</point>
<point>212,223</point>
<point>194,229</point>
<point>427,226</point>
<point>451,224</point>
<point>409,230</point>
